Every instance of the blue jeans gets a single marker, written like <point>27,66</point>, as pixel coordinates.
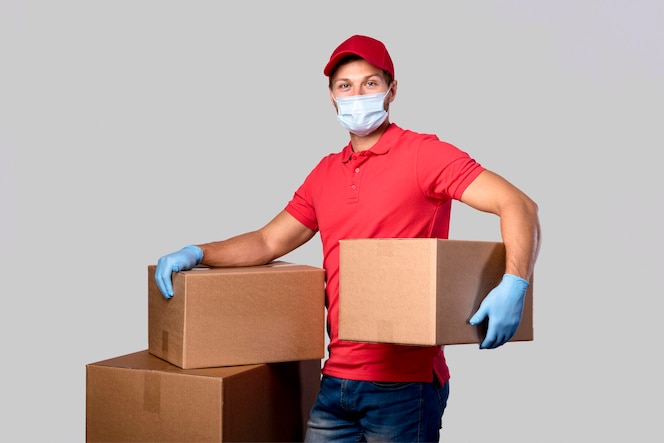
<point>364,411</point>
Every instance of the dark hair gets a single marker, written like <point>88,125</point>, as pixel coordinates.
<point>352,58</point>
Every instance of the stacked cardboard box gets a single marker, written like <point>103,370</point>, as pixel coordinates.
<point>234,355</point>
<point>141,398</point>
<point>238,316</point>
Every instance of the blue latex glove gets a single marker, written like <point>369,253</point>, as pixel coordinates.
<point>504,307</point>
<point>182,260</point>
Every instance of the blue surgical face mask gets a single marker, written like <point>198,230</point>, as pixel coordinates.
<point>362,114</point>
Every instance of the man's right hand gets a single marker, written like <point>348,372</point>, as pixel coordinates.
<point>182,260</point>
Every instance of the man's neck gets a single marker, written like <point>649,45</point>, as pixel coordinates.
<point>366,142</point>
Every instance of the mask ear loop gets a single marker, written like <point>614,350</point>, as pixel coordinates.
<point>386,106</point>
<point>389,88</point>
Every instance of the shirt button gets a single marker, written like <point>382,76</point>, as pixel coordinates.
<point>353,187</point>
<point>357,169</point>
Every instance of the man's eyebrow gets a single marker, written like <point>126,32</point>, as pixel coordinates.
<point>366,77</point>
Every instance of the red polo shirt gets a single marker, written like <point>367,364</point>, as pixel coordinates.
<point>402,187</point>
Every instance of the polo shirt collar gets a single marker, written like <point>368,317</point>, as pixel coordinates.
<point>382,146</point>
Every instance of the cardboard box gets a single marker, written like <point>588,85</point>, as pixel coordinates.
<point>238,315</point>
<point>420,291</point>
<point>141,398</point>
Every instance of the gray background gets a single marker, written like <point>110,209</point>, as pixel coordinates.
<point>130,129</point>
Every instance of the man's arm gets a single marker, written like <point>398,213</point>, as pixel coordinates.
<point>519,221</point>
<point>520,230</point>
<point>280,236</point>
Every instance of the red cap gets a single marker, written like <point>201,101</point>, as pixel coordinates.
<point>368,48</point>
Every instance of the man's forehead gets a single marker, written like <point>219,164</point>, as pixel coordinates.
<point>359,69</point>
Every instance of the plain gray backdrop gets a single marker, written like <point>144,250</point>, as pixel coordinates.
<point>129,129</point>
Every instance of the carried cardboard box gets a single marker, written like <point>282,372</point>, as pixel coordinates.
<point>238,315</point>
<point>420,291</point>
<point>141,398</point>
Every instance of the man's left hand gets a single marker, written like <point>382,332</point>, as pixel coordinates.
<point>504,307</point>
